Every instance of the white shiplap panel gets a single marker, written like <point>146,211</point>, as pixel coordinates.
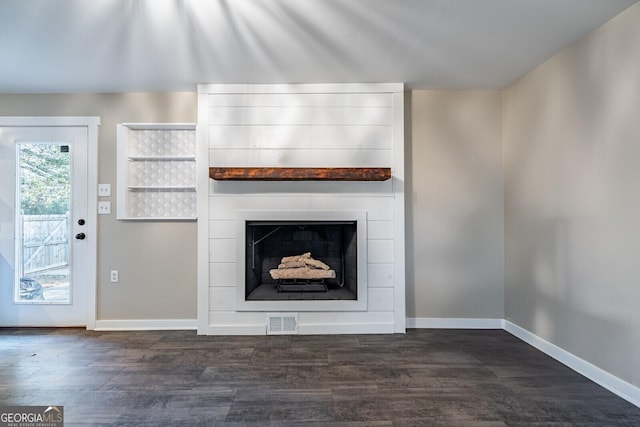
<point>222,299</point>
<point>380,299</point>
<point>379,251</point>
<point>379,230</point>
<point>301,100</point>
<point>297,126</point>
<point>322,88</point>
<point>249,330</point>
<point>300,136</point>
<point>222,250</point>
<point>302,188</point>
<point>322,318</point>
<point>237,318</point>
<point>308,158</point>
<point>225,208</point>
<point>320,116</point>
<point>222,229</point>
<point>346,328</point>
<point>222,274</point>
<point>380,275</point>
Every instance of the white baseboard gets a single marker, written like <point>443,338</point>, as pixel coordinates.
<point>146,325</point>
<point>625,390</point>
<point>453,323</point>
<point>337,329</point>
<point>237,330</point>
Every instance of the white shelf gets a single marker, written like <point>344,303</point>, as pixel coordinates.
<point>156,171</point>
<point>161,187</point>
<point>161,158</point>
<point>156,218</point>
<point>160,126</point>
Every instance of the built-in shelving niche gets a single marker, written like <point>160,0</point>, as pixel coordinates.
<point>156,171</point>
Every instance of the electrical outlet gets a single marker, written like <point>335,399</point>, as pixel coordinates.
<point>104,208</point>
<point>114,276</point>
<point>104,190</point>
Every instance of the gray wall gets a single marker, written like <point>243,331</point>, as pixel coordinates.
<point>156,260</point>
<point>454,257</point>
<point>455,205</point>
<point>572,198</point>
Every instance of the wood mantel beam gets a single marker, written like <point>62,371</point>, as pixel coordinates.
<point>299,174</point>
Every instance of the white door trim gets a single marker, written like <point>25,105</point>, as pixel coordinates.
<point>91,123</point>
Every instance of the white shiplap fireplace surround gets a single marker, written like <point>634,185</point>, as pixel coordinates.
<point>301,126</point>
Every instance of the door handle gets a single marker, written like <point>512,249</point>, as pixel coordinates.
<point>80,236</point>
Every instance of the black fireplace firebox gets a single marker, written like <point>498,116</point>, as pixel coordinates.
<point>301,260</point>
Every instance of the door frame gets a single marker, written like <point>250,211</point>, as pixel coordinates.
<point>91,123</point>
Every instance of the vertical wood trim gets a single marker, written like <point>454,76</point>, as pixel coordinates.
<point>202,208</point>
<point>399,294</point>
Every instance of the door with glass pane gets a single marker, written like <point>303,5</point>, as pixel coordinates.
<point>43,229</point>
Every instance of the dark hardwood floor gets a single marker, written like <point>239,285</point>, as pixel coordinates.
<point>426,377</point>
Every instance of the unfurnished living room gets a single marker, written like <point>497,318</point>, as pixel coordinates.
<point>319,213</point>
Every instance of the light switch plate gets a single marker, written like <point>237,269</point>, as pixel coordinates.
<point>104,190</point>
<point>104,208</point>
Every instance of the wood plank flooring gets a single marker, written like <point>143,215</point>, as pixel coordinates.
<point>173,378</point>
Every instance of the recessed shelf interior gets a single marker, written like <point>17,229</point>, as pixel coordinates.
<point>156,171</point>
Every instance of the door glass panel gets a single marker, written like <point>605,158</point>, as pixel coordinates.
<point>43,223</point>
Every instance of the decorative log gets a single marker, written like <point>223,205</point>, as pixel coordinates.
<point>314,263</point>
<point>299,174</point>
<point>302,273</point>
<point>292,264</point>
<point>295,258</point>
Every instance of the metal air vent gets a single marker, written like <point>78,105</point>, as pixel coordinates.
<point>282,323</point>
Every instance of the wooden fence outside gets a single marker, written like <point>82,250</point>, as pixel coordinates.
<point>45,242</point>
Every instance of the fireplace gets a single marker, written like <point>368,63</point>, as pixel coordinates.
<point>301,260</point>
<point>297,261</point>
<point>306,163</point>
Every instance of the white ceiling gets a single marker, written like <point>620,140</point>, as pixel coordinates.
<point>172,45</point>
